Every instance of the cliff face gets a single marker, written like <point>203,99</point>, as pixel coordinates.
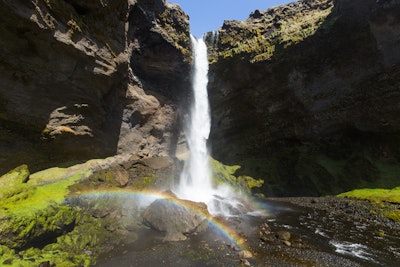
<point>306,95</point>
<point>89,79</point>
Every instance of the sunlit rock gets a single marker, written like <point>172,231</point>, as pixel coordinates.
<point>176,218</point>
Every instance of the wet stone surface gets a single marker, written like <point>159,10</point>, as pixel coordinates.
<point>296,232</point>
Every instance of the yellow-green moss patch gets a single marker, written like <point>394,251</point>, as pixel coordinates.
<point>225,174</point>
<point>375,195</point>
<point>379,196</point>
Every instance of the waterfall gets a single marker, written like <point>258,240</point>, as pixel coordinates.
<point>195,181</point>
<point>215,38</point>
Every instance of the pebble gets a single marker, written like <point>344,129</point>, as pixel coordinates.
<point>283,235</point>
<point>287,243</point>
<point>245,262</point>
<point>245,254</point>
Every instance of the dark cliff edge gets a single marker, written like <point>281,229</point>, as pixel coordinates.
<point>305,96</point>
<point>82,80</point>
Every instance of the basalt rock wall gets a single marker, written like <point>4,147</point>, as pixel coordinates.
<point>306,95</point>
<point>88,79</point>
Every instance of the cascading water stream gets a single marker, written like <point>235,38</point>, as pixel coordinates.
<point>195,181</point>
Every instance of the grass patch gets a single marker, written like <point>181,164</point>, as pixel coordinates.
<point>375,195</point>
<point>43,189</point>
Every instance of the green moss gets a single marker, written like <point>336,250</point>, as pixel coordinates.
<point>32,197</point>
<point>378,196</point>
<point>48,175</point>
<point>19,231</point>
<point>16,176</point>
<point>394,215</point>
<point>249,183</point>
<point>375,195</point>
<point>224,174</point>
<point>145,182</point>
<point>177,30</point>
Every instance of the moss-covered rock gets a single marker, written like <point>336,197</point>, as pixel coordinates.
<point>19,231</point>
<point>264,34</point>
<point>43,221</point>
<point>14,177</point>
<point>225,174</point>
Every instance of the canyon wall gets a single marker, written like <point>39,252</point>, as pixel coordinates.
<point>306,95</point>
<point>88,79</point>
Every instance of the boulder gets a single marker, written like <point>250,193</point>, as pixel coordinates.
<point>176,218</point>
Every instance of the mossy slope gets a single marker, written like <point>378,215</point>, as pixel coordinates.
<point>52,217</point>
<point>379,196</point>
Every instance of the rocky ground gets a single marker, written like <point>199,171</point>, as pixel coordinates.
<point>297,232</point>
<point>325,219</point>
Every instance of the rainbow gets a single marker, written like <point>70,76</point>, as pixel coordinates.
<point>146,197</point>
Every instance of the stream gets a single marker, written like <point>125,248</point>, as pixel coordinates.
<point>319,237</point>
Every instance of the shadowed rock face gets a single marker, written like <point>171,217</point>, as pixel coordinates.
<point>82,80</point>
<point>307,97</point>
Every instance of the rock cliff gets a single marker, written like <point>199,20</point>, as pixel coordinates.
<point>87,79</point>
<point>306,95</point>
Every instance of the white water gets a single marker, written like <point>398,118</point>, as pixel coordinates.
<point>352,249</point>
<point>195,181</point>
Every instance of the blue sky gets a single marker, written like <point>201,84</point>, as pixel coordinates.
<point>208,15</point>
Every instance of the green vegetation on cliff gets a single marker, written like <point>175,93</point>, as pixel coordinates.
<point>171,20</point>
<point>265,33</point>
<point>327,167</point>
<point>226,174</point>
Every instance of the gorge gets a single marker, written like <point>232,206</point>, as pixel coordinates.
<point>95,99</point>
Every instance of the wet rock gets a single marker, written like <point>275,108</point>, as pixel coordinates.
<point>245,262</point>
<point>101,213</point>
<point>45,264</point>
<point>8,262</point>
<point>176,217</point>
<point>283,235</point>
<point>265,233</point>
<point>287,243</point>
<point>245,254</point>
<point>121,176</point>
